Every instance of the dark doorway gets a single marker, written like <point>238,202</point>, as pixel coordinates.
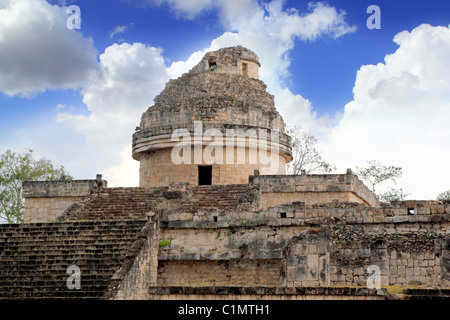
<point>204,175</point>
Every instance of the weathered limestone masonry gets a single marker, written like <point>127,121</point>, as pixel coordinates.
<point>47,200</point>
<point>294,251</point>
<point>214,242</point>
<point>223,96</point>
<point>301,246</point>
<point>139,271</point>
<point>234,231</point>
<point>235,60</point>
<point>35,257</point>
<point>313,189</point>
<point>266,293</point>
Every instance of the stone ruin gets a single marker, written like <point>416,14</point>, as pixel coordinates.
<point>221,230</point>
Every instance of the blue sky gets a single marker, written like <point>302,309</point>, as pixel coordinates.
<point>75,96</point>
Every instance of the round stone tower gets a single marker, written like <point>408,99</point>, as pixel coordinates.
<point>215,124</point>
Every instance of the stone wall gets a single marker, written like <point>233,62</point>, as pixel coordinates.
<point>307,260</point>
<point>236,272</point>
<point>420,264</point>
<point>319,245</point>
<point>230,61</point>
<point>243,256</point>
<point>264,293</point>
<point>445,263</point>
<point>241,67</point>
<point>47,209</point>
<point>249,69</point>
<point>313,189</point>
<point>45,201</point>
<point>277,198</point>
<point>139,271</point>
<point>406,241</point>
<point>158,169</point>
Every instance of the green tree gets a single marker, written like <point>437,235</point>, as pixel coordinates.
<point>393,195</point>
<point>16,168</point>
<point>444,196</point>
<point>375,173</point>
<point>305,153</point>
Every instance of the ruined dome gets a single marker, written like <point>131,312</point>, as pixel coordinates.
<point>221,92</point>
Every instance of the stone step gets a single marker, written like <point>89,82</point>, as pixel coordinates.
<point>134,203</point>
<point>34,257</point>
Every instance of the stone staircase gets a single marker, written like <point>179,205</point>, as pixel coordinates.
<point>134,203</point>
<point>116,204</point>
<point>222,197</point>
<point>34,257</point>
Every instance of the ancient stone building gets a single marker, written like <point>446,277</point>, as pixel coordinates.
<point>220,101</point>
<point>202,226</point>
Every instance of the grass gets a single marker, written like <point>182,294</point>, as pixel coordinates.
<point>165,243</point>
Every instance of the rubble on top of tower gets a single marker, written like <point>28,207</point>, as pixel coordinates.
<point>222,94</point>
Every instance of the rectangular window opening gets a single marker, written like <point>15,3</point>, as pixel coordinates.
<point>204,175</point>
<point>245,69</point>
<point>283,215</point>
<point>212,65</point>
<point>410,211</point>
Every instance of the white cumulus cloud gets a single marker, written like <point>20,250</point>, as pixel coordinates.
<point>38,51</point>
<point>400,113</point>
<point>130,76</point>
<point>124,174</point>
<point>188,9</point>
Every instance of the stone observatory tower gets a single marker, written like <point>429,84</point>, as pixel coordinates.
<point>214,125</point>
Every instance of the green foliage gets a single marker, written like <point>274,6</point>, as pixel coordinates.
<point>165,243</point>
<point>244,223</point>
<point>393,195</point>
<point>305,153</point>
<point>444,196</point>
<point>375,173</point>
<point>16,168</point>
<point>231,230</point>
